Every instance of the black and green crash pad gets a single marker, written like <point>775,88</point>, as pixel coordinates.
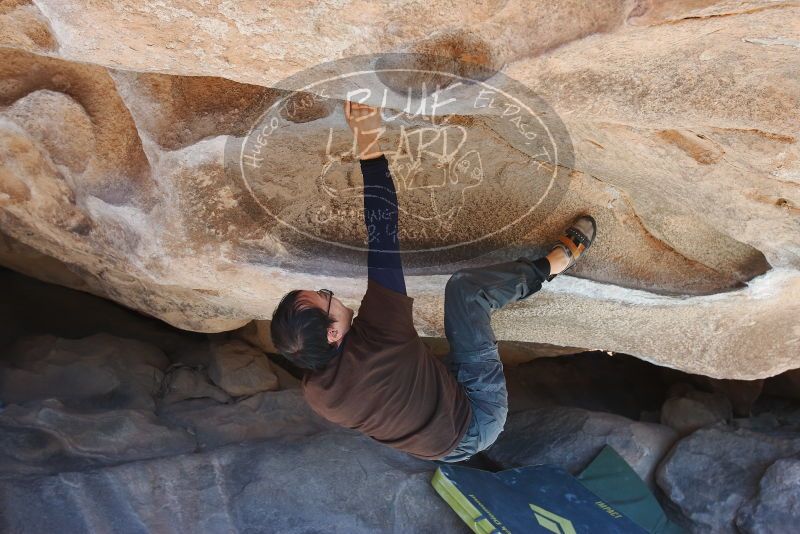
<point>545,498</point>
<point>611,478</point>
<point>540,498</point>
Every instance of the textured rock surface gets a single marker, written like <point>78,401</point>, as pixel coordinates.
<point>741,393</point>
<point>693,409</point>
<point>330,482</point>
<point>181,383</point>
<point>75,458</point>
<point>711,474</point>
<point>264,463</point>
<point>30,307</point>
<point>97,371</point>
<point>114,119</point>
<point>571,437</point>
<point>77,404</point>
<point>778,502</point>
<point>268,415</point>
<point>49,437</point>
<point>772,414</point>
<point>241,369</point>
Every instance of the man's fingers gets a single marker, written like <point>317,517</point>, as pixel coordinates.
<point>356,111</point>
<point>363,112</point>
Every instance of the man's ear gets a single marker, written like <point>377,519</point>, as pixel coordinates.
<point>333,334</point>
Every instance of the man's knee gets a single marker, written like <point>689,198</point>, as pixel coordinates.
<point>457,294</point>
<point>459,284</point>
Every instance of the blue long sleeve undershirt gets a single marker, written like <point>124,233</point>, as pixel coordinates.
<point>381,218</point>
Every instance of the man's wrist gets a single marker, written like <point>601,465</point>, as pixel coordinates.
<point>369,149</point>
<point>376,161</point>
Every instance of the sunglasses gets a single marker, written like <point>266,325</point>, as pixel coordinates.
<point>330,298</point>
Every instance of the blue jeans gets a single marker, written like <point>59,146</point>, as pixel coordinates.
<point>471,296</point>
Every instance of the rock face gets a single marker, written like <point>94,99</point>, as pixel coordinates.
<point>49,437</point>
<point>88,448</point>
<point>182,383</point>
<point>280,485</point>
<point>94,438</point>
<point>681,118</point>
<point>693,409</point>
<point>778,502</point>
<point>572,437</point>
<point>99,371</point>
<point>241,369</point>
<point>713,476</point>
<point>276,414</point>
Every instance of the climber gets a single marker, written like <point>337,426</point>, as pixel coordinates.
<point>373,373</point>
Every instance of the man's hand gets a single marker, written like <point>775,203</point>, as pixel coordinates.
<point>365,121</point>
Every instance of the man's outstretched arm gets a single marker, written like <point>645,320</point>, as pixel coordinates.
<point>381,217</point>
<point>380,199</point>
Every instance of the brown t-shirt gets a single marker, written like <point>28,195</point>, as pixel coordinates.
<point>386,383</point>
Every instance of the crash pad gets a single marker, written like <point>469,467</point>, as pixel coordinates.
<point>611,478</point>
<point>540,498</point>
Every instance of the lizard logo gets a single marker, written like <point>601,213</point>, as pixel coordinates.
<point>477,161</point>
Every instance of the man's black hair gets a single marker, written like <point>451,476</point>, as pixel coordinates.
<point>301,335</point>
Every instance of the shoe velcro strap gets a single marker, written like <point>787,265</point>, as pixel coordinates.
<point>574,249</point>
<point>577,236</point>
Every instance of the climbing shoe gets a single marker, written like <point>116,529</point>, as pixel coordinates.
<point>576,240</point>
